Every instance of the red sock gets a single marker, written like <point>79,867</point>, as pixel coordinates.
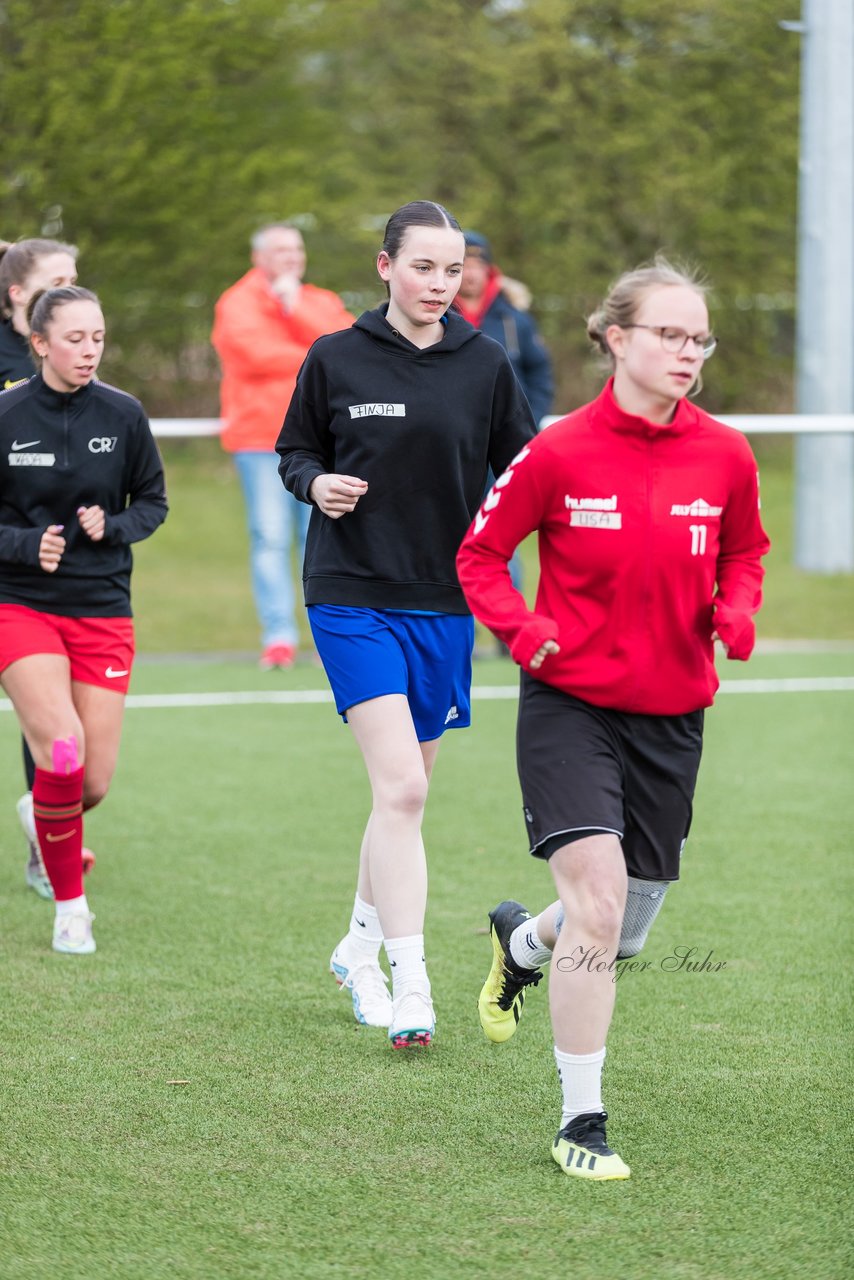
<point>58,812</point>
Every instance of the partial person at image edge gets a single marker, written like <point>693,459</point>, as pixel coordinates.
<point>499,306</point>
<point>28,267</point>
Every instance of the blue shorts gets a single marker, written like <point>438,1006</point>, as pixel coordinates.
<point>368,653</point>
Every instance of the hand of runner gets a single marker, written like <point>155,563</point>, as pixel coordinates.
<point>736,631</point>
<point>92,522</point>
<point>51,547</point>
<point>336,495</point>
<point>550,646</point>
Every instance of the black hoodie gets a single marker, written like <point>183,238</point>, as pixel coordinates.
<point>59,452</point>
<point>16,361</point>
<point>422,427</point>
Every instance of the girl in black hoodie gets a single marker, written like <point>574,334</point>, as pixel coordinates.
<point>390,434</point>
<point>80,480</point>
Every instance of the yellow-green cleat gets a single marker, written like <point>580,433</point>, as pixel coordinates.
<point>503,994</point>
<point>582,1151</point>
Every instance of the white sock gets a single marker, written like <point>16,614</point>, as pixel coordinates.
<point>580,1076</point>
<point>526,947</point>
<point>72,906</point>
<point>365,935</point>
<point>408,969</point>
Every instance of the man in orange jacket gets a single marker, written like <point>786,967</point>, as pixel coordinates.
<point>263,327</point>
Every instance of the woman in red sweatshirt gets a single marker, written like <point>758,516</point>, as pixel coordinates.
<point>650,542</point>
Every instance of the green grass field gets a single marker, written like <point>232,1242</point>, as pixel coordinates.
<point>196,1100</point>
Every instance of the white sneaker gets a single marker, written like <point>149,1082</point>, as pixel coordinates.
<point>367,984</point>
<point>35,874</point>
<point>413,1022</point>
<point>72,934</point>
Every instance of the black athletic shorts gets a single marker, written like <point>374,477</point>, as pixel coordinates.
<point>585,770</point>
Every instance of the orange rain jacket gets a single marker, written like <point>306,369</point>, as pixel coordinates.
<point>261,348</point>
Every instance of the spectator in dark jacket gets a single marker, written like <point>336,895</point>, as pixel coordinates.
<point>498,306</point>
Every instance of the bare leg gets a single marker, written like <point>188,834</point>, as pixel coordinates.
<point>393,867</point>
<point>363,888</point>
<point>546,920</point>
<point>590,876</point>
<point>591,879</point>
<point>50,706</point>
<point>429,751</point>
<point>41,692</point>
<point>39,688</point>
<point>101,712</point>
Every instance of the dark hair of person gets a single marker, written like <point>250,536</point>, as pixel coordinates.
<point>45,304</point>
<point>19,260</point>
<point>418,213</point>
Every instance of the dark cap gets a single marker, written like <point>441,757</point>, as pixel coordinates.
<point>480,244</point>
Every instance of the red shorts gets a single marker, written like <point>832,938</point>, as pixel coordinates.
<point>100,650</point>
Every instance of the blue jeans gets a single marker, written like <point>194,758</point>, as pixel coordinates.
<point>273,517</point>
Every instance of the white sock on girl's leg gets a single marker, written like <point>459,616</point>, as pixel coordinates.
<point>526,946</point>
<point>365,935</point>
<point>580,1077</point>
<point>408,967</point>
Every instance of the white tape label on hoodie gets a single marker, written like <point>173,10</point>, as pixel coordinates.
<point>377,410</point>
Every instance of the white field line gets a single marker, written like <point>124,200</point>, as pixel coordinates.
<point>480,693</point>
<point>794,684</point>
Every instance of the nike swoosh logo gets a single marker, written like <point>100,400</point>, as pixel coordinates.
<point>114,675</point>
<point>65,836</point>
<point>361,924</point>
<point>393,964</point>
<point>27,445</point>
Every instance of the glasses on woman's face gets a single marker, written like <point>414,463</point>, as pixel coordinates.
<point>674,340</point>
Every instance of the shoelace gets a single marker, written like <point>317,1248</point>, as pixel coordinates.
<point>405,1017</point>
<point>514,981</point>
<point>84,917</point>
<point>418,995</point>
<point>370,978</point>
<point>584,1128</point>
<point>74,929</point>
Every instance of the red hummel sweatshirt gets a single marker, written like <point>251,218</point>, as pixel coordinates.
<point>649,540</point>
